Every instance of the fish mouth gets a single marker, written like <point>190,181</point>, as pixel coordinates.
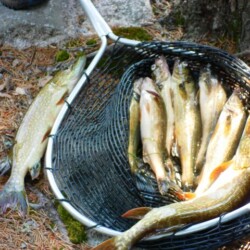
<point>155,94</point>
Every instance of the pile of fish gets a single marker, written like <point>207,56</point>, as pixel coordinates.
<point>180,121</point>
<point>172,116</point>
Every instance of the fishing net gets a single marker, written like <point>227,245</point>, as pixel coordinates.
<point>90,163</point>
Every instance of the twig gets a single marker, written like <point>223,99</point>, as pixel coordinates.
<point>32,58</point>
<point>245,53</point>
<point>50,210</point>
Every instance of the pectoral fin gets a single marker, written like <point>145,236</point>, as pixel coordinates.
<point>5,165</point>
<point>46,135</point>
<point>137,213</point>
<point>185,195</point>
<point>61,101</point>
<point>221,168</point>
<point>35,170</point>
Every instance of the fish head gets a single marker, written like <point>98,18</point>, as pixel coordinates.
<point>148,85</point>
<point>183,78</point>
<point>149,91</point>
<point>160,70</point>
<point>181,71</point>
<point>137,88</point>
<point>69,77</point>
<point>207,80</point>
<point>234,105</point>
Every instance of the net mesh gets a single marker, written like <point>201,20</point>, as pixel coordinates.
<point>90,163</point>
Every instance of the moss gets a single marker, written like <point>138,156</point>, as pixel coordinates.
<point>76,231</point>
<point>91,41</point>
<point>79,54</point>
<point>179,19</point>
<point>135,33</point>
<point>73,43</point>
<point>52,225</point>
<point>234,27</point>
<point>62,55</point>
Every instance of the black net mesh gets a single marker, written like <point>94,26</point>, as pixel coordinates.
<point>90,162</point>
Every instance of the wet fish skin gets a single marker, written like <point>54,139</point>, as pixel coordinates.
<point>187,120</point>
<point>32,135</point>
<point>242,157</point>
<point>153,129</point>
<point>163,79</point>
<point>212,99</point>
<point>224,140</point>
<point>240,161</point>
<point>225,194</point>
<point>134,125</point>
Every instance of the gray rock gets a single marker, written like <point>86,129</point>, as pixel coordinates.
<point>59,20</point>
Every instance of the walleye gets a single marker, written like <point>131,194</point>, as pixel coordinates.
<point>187,120</point>
<point>32,135</point>
<point>163,80</point>
<point>212,99</point>
<point>153,131</point>
<point>241,159</point>
<point>226,193</point>
<point>134,125</point>
<point>224,140</point>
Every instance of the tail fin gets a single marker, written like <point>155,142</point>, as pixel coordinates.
<point>106,245</point>
<point>13,199</point>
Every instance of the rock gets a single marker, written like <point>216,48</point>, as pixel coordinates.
<point>23,245</point>
<point>17,4</point>
<point>245,33</point>
<point>59,20</point>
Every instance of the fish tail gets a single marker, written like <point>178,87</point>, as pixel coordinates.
<point>13,199</point>
<point>107,245</point>
<point>163,185</point>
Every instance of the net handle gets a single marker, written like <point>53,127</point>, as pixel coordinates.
<point>97,21</point>
<point>100,25</point>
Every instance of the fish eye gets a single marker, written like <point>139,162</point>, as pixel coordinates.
<point>153,67</point>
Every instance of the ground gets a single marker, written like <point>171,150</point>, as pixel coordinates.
<point>22,74</point>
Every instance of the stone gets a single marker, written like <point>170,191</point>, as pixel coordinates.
<point>60,20</point>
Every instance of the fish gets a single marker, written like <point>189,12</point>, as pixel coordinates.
<point>153,131</point>
<point>32,136</point>
<point>227,193</point>
<point>212,98</point>
<point>163,79</point>
<point>134,126</point>
<point>241,159</point>
<point>187,120</point>
<point>224,140</point>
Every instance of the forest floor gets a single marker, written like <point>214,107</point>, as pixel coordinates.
<point>22,74</point>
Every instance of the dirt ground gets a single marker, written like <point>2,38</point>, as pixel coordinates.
<point>22,74</point>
